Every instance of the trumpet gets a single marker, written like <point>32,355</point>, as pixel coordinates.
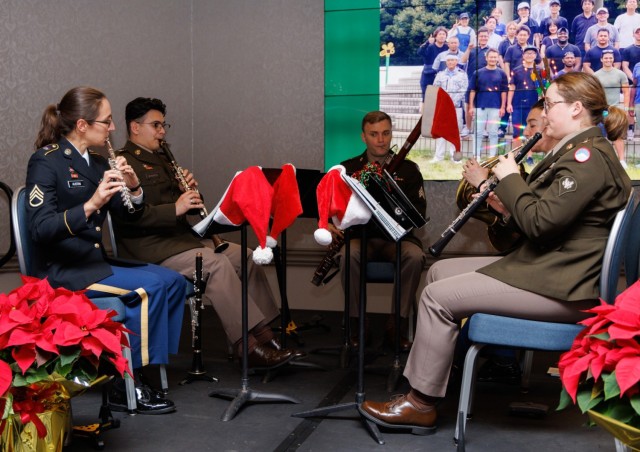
<point>125,193</point>
<point>219,244</point>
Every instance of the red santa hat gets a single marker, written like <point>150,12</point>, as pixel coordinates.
<point>286,204</point>
<point>439,118</point>
<point>336,200</point>
<point>248,198</point>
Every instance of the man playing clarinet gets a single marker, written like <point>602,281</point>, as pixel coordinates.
<point>164,236</point>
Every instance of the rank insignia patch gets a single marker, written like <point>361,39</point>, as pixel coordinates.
<point>582,155</point>
<point>36,197</point>
<point>567,184</point>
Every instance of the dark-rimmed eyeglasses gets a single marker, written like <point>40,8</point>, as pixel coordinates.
<point>549,105</point>
<point>108,122</point>
<point>157,125</point>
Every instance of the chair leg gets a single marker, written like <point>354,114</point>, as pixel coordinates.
<point>129,383</point>
<point>164,383</point>
<point>466,389</point>
<point>527,363</point>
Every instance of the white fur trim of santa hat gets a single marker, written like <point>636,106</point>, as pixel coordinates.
<point>248,198</point>
<point>338,202</point>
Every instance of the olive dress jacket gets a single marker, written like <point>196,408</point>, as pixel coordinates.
<point>564,210</point>
<point>158,234</point>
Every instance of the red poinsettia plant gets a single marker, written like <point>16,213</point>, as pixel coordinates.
<point>602,370</point>
<point>50,341</point>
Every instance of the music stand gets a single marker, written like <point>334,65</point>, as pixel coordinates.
<point>371,427</point>
<point>245,394</point>
<point>307,180</point>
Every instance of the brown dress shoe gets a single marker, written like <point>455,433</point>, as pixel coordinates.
<point>276,345</point>
<point>264,357</point>
<point>399,413</point>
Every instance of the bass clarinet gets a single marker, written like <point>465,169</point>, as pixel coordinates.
<point>125,193</point>
<point>437,248</point>
<point>219,245</point>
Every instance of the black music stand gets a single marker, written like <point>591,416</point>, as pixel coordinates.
<point>371,427</point>
<point>245,394</point>
<point>308,180</point>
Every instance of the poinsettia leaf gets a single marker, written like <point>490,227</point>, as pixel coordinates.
<point>619,411</point>
<point>5,377</point>
<point>628,372</point>
<point>24,355</point>
<point>602,336</point>
<point>635,403</point>
<point>69,356</point>
<point>611,388</point>
<point>586,401</point>
<point>36,375</point>
<point>565,400</point>
<point>623,331</point>
<point>108,340</point>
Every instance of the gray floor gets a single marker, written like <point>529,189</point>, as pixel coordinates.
<point>196,426</point>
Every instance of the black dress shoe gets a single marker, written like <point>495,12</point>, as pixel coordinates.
<point>276,345</point>
<point>148,401</point>
<point>264,357</point>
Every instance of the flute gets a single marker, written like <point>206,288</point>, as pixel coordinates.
<point>437,248</point>
<point>125,193</point>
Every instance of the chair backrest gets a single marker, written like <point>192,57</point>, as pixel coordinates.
<point>616,250</point>
<point>22,236</point>
<point>632,250</point>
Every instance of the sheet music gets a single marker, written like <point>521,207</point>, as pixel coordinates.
<point>203,225</point>
<point>395,231</point>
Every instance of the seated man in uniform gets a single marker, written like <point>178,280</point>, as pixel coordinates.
<point>377,134</point>
<point>164,236</point>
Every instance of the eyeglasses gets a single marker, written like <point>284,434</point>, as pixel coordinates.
<point>157,125</point>
<point>108,122</point>
<point>549,105</point>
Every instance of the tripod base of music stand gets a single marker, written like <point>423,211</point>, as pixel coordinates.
<point>245,395</point>
<point>271,374</point>
<point>198,376</point>
<point>371,427</point>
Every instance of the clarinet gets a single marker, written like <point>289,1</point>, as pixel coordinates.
<point>391,165</point>
<point>437,248</point>
<point>196,306</point>
<point>125,193</point>
<point>219,245</point>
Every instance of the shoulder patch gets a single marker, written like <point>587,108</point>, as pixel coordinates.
<point>50,148</point>
<point>567,184</point>
<point>36,197</point>
<point>582,155</point>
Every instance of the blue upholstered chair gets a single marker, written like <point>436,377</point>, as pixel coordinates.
<point>486,329</point>
<point>24,250</point>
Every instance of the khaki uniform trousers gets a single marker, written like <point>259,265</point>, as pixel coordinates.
<point>224,289</point>
<point>455,291</point>
<point>412,264</point>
